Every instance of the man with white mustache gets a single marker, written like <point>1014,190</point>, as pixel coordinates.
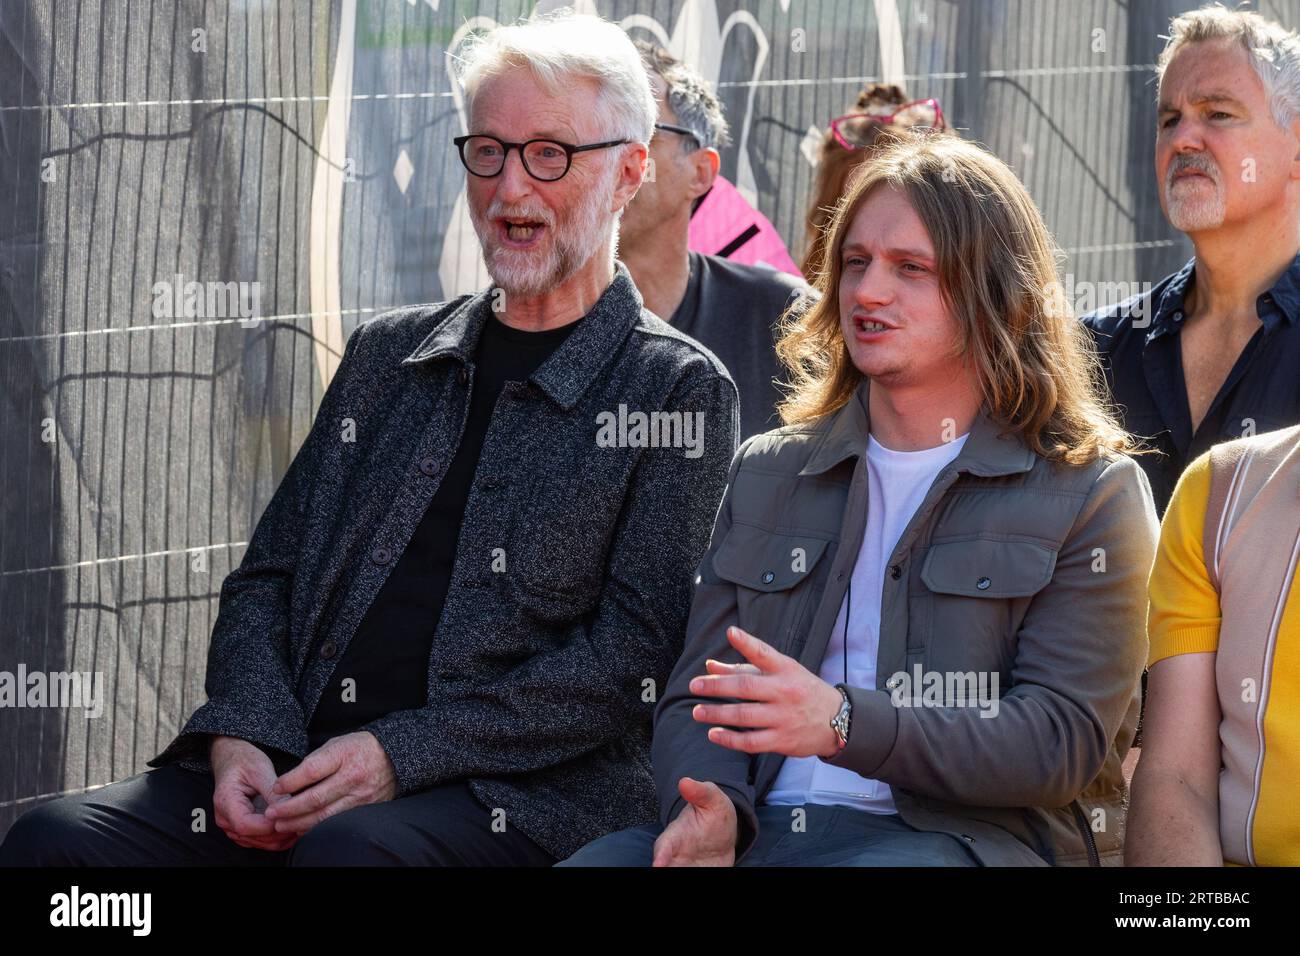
<point>1211,353</point>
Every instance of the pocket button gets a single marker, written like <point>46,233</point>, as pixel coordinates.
<point>983,584</point>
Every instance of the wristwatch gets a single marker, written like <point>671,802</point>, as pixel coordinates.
<point>840,722</point>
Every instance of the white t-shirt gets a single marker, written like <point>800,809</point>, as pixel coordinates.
<point>897,483</point>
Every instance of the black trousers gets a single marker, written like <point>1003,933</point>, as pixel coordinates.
<point>149,819</point>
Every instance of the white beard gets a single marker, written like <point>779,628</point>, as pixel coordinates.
<point>1193,209</point>
<point>573,241</point>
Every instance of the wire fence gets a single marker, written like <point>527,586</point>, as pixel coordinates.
<point>201,200</point>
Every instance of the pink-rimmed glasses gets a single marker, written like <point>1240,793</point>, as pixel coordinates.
<point>854,131</point>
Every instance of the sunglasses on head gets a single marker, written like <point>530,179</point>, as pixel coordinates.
<point>857,130</point>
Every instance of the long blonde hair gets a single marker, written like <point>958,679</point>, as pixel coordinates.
<point>1037,373</point>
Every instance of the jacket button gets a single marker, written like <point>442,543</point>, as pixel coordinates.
<point>462,376</point>
<point>429,466</point>
<point>768,577</point>
<point>380,556</point>
<point>893,682</point>
<point>328,650</point>
<point>983,584</point>
<point>895,571</point>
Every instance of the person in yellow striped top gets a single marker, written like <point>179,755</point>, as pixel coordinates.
<point>1219,775</point>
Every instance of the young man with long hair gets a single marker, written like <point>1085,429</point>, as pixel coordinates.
<point>918,630</point>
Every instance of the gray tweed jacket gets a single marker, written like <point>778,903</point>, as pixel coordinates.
<point>543,676</point>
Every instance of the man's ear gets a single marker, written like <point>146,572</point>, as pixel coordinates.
<point>1295,139</point>
<point>631,172</point>
<point>705,164</point>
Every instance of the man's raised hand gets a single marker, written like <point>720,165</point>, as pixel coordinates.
<point>784,708</point>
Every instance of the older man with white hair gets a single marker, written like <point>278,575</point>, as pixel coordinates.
<point>446,639</point>
<point>1210,353</point>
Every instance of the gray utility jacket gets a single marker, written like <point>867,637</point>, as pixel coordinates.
<point>543,676</point>
<point>1010,566</point>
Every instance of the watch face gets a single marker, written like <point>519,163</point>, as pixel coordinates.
<point>841,721</point>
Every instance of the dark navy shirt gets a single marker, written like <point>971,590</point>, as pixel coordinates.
<point>1140,350</point>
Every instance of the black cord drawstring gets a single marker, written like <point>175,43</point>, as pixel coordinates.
<point>848,609</point>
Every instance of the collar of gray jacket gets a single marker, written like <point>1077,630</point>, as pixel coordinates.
<point>575,364</point>
<point>987,451</point>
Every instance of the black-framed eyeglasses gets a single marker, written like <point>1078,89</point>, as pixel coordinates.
<point>543,159</point>
<point>681,131</point>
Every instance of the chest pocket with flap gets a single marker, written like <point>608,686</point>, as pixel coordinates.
<point>773,571</point>
<point>988,568</point>
<point>977,592</point>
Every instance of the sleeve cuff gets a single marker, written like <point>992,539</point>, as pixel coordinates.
<point>873,729</point>
<point>213,719</point>
<point>1197,638</point>
<point>411,752</point>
